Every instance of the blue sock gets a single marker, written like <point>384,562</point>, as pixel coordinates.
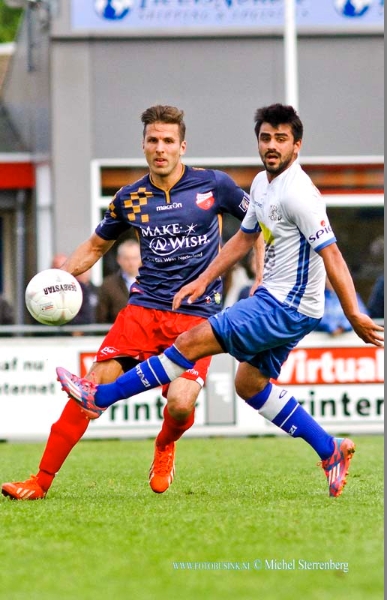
<point>276,405</point>
<point>149,374</point>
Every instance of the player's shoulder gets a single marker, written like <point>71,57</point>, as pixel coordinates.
<point>297,182</point>
<point>200,173</point>
<point>297,176</point>
<point>298,193</point>
<point>259,180</point>
<point>134,187</point>
<point>260,177</point>
<point>214,177</point>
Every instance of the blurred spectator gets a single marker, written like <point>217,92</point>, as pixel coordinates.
<point>372,261</point>
<point>87,312</point>
<point>115,288</point>
<point>234,280</point>
<point>375,304</point>
<point>58,260</point>
<point>6,312</point>
<point>251,269</point>
<point>334,320</point>
<point>241,282</point>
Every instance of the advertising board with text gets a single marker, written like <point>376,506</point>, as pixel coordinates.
<point>241,17</point>
<point>339,381</point>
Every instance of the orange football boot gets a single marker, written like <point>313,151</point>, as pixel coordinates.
<point>162,470</point>
<point>24,490</point>
<point>337,465</point>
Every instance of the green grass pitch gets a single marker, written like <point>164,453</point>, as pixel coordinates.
<point>236,504</point>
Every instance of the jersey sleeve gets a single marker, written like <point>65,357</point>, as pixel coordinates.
<point>232,199</point>
<point>307,210</point>
<point>250,222</point>
<point>113,223</point>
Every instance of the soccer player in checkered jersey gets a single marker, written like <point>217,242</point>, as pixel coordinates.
<point>260,331</point>
<point>176,212</point>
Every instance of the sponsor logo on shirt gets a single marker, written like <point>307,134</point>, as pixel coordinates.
<point>173,238</point>
<point>170,206</point>
<point>205,201</point>
<point>135,290</point>
<point>325,228</point>
<point>109,350</point>
<point>261,201</point>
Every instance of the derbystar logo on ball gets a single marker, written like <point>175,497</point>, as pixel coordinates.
<point>53,297</point>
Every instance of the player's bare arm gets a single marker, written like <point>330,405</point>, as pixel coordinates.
<point>237,247</point>
<point>342,282</point>
<point>259,262</point>
<point>87,254</point>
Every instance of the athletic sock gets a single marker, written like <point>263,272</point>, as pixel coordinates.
<point>278,406</point>
<point>156,371</point>
<point>172,429</point>
<point>64,435</point>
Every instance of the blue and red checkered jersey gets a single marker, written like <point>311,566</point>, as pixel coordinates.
<point>179,233</point>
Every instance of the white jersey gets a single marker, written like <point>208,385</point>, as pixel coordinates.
<point>291,214</point>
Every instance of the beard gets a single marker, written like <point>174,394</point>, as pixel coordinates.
<point>278,168</point>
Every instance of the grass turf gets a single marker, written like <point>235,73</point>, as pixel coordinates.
<point>102,533</point>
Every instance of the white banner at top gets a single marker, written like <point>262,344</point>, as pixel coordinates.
<point>198,17</point>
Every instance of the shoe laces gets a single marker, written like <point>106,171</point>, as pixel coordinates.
<point>31,480</point>
<point>164,459</point>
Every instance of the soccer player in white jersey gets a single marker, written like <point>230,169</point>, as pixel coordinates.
<point>261,330</point>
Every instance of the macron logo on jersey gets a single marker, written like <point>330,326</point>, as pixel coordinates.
<point>170,206</point>
<point>205,201</point>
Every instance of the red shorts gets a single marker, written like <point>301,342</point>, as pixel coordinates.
<point>141,332</point>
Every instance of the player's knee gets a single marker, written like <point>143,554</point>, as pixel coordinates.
<point>184,345</point>
<point>181,408</point>
<point>247,389</point>
<point>241,391</point>
<point>197,342</point>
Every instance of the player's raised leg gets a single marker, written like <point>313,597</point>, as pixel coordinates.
<point>277,405</point>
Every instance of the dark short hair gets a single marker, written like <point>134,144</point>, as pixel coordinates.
<point>164,114</point>
<point>279,114</point>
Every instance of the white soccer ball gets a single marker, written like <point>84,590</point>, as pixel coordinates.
<point>53,297</point>
<point>352,8</point>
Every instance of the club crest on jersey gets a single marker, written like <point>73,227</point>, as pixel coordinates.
<point>205,201</point>
<point>275,213</point>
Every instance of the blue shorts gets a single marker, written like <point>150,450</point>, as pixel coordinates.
<point>261,330</point>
